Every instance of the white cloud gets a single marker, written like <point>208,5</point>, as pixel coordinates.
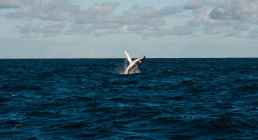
<point>204,15</point>
<point>99,16</point>
<point>210,17</point>
<point>103,17</point>
<point>106,25</point>
<point>228,12</point>
<point>11,3</point>
<point>195,4</point>
<point>53,28</point>
<point>53,10</point>
<point>103,14</point>
<point>98,13</point>
<point>122,30</point>
<point>136,27</point>
<point>211,29</point>
<point>222,14</point>
<point>151,12</point>
<point>234,9</point>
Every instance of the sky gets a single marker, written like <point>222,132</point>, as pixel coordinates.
<point>106,28</point>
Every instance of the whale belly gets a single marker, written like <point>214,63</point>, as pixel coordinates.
<point>132,69</point>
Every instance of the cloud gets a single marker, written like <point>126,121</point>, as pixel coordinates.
<point>11,3</point>
<point>231,34</point>
<point>241,27</point>
<point>80,29</point>
<point>26,29</point>
<point>194,36</point>
<point>156,32</point>
<point>145,38</point>
<point>136,28</point>
<point>209,17</point>
<point>151,12</point>
<point>222,14</point>
<point>98,13</point>
<point>88,31</point>
<point>254,34</point>
<point>219,14</point>
<point>195,4</point>
<point>211,29</point>
<point>98,34</point>
<point>122,30</point>
<point>154,21</point>
<point>186,29</point>
<point>102,15</point>
<point>135,7</point>
<point>106,25</point>
<point>74,29</point>
<point>51,29</point>
<point>234,9</point>
<point>204,15</point>
<point>182,30</point>
<point>228,12</point>
<point>53,10</point>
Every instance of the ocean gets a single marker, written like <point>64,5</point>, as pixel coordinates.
<point>192,99</point>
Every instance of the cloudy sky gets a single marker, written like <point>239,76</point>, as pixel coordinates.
<point>105,28</point>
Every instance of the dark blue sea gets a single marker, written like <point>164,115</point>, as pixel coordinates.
<point>192,99</point>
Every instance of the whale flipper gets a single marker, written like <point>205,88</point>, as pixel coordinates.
<point>128,57</point>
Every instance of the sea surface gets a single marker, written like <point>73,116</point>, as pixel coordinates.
<point>195,99</point>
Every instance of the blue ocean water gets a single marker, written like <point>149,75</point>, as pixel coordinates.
<point>90,99</point>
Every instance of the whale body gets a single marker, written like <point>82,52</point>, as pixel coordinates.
<point>134,65</point>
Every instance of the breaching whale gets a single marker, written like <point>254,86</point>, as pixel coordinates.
<point>134,65</point>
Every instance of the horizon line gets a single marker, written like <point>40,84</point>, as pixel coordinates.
<point>136,58</point>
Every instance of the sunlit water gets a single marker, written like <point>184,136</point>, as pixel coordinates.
<point>91,99</point>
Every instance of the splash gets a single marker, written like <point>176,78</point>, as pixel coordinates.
<point>121,68</point>
<point>125,66</point>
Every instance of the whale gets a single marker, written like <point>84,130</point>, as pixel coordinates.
<point>133,66</point>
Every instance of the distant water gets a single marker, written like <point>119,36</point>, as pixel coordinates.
<point>90,99</point>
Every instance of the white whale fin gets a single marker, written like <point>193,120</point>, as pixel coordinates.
<point>128,57</point>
